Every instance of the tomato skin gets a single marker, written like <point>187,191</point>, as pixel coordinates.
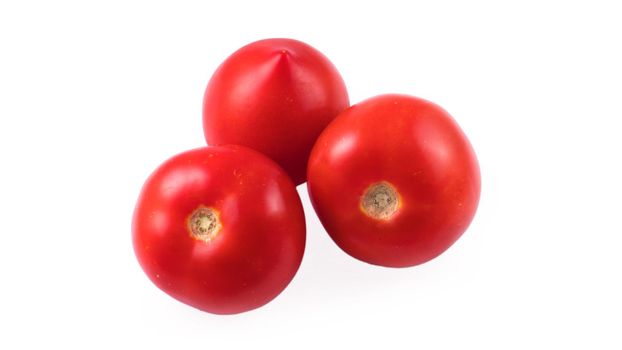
<point>275,96</point>
<point>258,249</point>
<point>411,144</point>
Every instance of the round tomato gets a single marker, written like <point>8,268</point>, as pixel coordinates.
<point>394,180</point>
<point>219,228</point>
<point>275,96</point>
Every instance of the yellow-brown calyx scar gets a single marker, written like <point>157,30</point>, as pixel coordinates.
<point>204,224</point>
<point>380,201</point>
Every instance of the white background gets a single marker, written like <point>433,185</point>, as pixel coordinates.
<point>94,96</point>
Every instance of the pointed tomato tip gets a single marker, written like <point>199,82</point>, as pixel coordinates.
<point>284,54</point>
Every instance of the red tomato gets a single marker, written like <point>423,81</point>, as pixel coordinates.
<point>219,228</point>
<point>275,96</point>
<point>394,180</point>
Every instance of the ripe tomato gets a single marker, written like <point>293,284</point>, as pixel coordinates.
<point>275,96</point>
<point>219,228</point>
<point>394,180</point>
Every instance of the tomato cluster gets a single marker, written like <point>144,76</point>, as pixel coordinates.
<point>393,179</point>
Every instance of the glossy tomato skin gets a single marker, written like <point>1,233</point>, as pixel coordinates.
<point>258,249</point>
<point>411,144</point>
<point>275,96</point>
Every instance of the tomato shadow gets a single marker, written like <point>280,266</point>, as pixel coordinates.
<point>328,274</point>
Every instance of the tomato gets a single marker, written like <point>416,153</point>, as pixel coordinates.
<point>275,96</point>
<point>394,180</point>
<point>219,228</point>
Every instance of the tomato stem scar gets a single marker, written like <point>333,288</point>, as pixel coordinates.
<point>380,201</point>
<point>204,224</point>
